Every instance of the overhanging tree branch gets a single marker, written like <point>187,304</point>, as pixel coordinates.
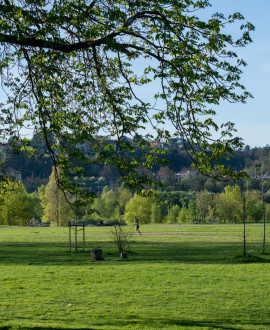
<point>80,58</point>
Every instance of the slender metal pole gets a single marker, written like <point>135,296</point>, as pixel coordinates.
<point>69,227</point>
<point>244,219</point>
<point>264,227</point>
<point>83,237</point>
<point>75,236</point>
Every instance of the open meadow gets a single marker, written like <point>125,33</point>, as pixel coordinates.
<point>176,276</point>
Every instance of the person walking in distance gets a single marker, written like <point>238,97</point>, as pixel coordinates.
<point>137,223</point>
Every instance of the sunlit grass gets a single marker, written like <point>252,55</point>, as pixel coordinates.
<point>175,276</point>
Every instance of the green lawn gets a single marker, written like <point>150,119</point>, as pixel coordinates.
<point>188,277</point>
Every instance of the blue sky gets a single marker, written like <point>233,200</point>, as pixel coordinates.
<point>252,119</point>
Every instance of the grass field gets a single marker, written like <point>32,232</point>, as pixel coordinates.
<point>188,277</point>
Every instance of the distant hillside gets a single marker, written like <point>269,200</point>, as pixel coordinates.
<point>35,171</point>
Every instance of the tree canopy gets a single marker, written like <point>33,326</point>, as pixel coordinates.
<point>68,69</point>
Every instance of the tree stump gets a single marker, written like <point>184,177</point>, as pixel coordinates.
<point>123,255</point>
<point>96,254</point>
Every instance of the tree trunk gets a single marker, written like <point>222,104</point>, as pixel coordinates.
<point>57,209</point>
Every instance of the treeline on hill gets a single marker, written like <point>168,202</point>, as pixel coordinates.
<point>35,171</point>
<point>49,205</point>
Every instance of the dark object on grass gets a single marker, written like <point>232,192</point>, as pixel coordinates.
<point>123,255</point>
<point>96,254</point>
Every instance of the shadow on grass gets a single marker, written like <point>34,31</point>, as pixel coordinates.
<point>38,328</point>
<point>183,323</point>
<point>250,259</point>
<point>160,324</point>
<point>194,252</point>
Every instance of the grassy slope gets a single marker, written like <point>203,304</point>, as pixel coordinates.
<point>177,276</point>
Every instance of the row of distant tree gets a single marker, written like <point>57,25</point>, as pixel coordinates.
<point>182,207</point>
<point>50,204</point>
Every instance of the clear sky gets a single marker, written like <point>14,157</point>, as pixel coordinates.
<point>252,119</point>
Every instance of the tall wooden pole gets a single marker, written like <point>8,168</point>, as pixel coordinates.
<point>69,226</point>
<point>83,237</point>
<point>75,236</point>
<point>264,227</point>
<point>244,219</point>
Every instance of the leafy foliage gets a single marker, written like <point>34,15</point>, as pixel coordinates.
<point>16,207</point>
<point>228,203</point>
<point>68,69</point>
<point>140,207</point>
<point>57,207</point>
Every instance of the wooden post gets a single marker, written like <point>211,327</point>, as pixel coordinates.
<point>75,236</point>
<point>75,227</point>
<point>69,226</point>
<point>83,236</point>
<point>264,228</point>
